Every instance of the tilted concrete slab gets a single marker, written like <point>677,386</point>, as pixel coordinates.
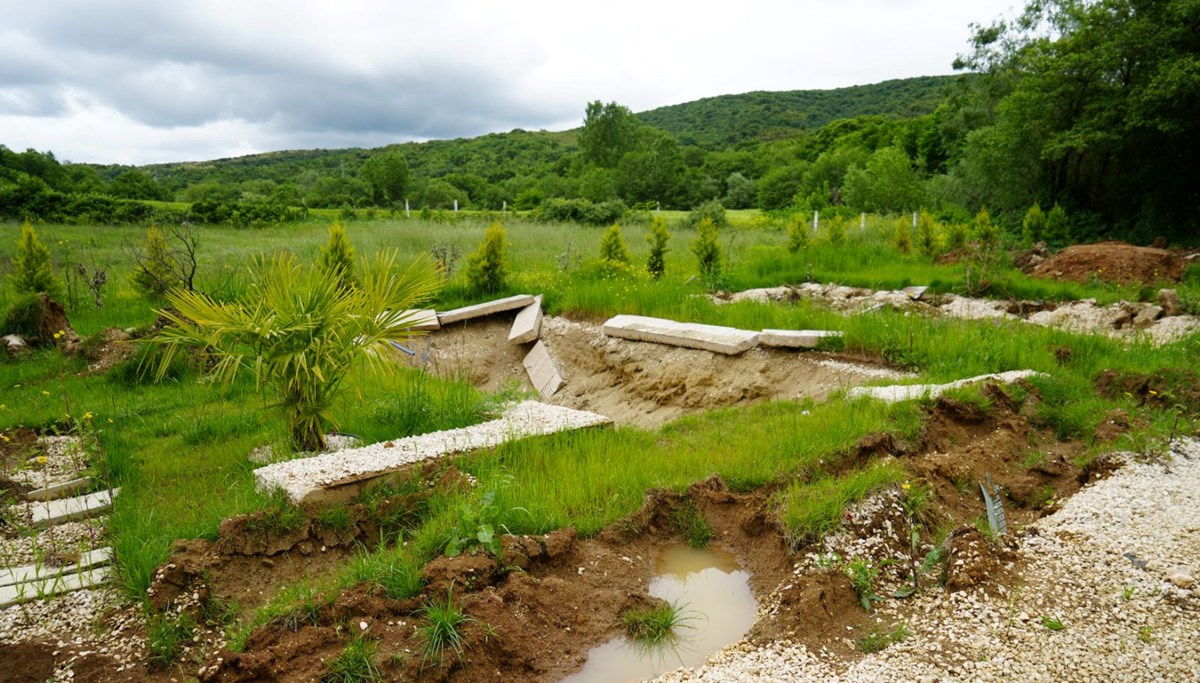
<point>51,512</point>
<point>543,373</point>
<point>40,572</point>
<point>52,585</point>
<point>341,475</point>
<point>915,292</point>
<point>727,340</point>
<point>906,392</point>
<point>66,488</point>
<point>797,339</point>
<point>528,324</point>
<point>423,320</point>
<point>485,308</point>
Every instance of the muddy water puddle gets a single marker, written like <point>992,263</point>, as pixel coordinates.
<point>718,609</point>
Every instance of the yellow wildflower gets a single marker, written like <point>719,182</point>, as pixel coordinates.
<point>87,415</point>
<point>45,393</point>
<point>41,460</point>
<point>906,486</point>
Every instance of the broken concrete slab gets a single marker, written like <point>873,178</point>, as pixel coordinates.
<point>342,475</point>
<point>915,292</point>
<point>905,392</point>
<point>62,490</point>
<point>797,339</point>
<point>51,512</point>
<point>52,585</point>
<point>726,340</point>
<point>485,308</point>
<point>39,572</point>
<point>422,320</point>
<point>528,324</point>
<point>543,373</point>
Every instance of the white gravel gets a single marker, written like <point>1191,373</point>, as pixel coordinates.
<point>1120,622</point>
<point>86,621</point>
<point>905,392</point>
<point>307,476</point>
<point>64,458</point>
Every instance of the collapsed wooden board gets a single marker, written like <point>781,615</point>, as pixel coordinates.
<point>340,475</point>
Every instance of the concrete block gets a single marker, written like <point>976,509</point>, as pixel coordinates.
<point>339,476</point>
<point>62,510</point>
<point>66,488</point>
<point>485,308</point>
<point>424,319</point>
<point>528,324</point>
<point>40,572</point>
<point>726,340</point>
<point>796,339</point>
<point>52,585</point>
<point>543,374</point>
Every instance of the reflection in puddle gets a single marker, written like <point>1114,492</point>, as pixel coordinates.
<point>718,609</point>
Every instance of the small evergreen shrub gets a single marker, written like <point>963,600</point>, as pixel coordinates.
<point>152,275</point>
<point>612,246</point>
<point>707,250</point>
<point>797,234</point>
<point>656,263</point>
<point>1058,227</point>
<point>1033,226</point>
<point>487,268</point>
<point>32,270</point>
<point>337,257</point>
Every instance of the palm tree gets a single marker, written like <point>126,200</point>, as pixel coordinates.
<point>299,332</point>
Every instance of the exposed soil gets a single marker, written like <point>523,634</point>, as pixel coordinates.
<point>637,382</point>
<point>1113,262</point>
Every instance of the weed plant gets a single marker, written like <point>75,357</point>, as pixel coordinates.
<point>655,625</point>
<point>443,630</point>
<point>354,664</point>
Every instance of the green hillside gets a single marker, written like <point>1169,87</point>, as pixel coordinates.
<point>719,122</point>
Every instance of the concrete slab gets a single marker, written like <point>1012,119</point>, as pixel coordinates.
<point>726,340</point>
<point>543,373</point>
<point>797,339</point>
<point>63,490</point>
<point>528,324</point>
<point>51,512</point>
<point>38,572</point>
<point>423,319</point>
<point>342,475</point>
<point>915,292</point>
<point>54,585</point>
<point>485,308</point>
<point>906,392</point>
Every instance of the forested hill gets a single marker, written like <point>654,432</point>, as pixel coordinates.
<point>719,122</point>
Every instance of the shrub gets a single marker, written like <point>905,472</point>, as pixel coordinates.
<point>1058,227</point>
<point>32,271</point>
<point>834,230</point>
<point>986,232</point>
<point>612,246</point>
<point>927,237</point>
<point>152,275</point>
<point>1033,226</point>
<point>337,257</point>
<point>707,250</point>
<point>956,236</point>
<point>902,235</point>
<point>712,210</point>
<point>487,267</point>
<point>299,333</point>
<point>656,263</point>
<point>797,234</point>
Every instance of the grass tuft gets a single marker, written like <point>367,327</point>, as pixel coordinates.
<point>654,625</point>
<point>355,664</point>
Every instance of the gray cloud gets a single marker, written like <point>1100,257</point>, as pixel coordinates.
<point>256,75</point>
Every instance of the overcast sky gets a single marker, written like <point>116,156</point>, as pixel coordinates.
<point>160,80</point>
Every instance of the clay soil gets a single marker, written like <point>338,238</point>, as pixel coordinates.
<point>1113,262</point>
<point>536,611</point>
<point>632,382</point>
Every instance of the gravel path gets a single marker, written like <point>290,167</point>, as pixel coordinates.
<point>1111,565</point>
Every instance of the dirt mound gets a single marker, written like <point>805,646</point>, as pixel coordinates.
<point>637,382</point>
<point>1113,262</point>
